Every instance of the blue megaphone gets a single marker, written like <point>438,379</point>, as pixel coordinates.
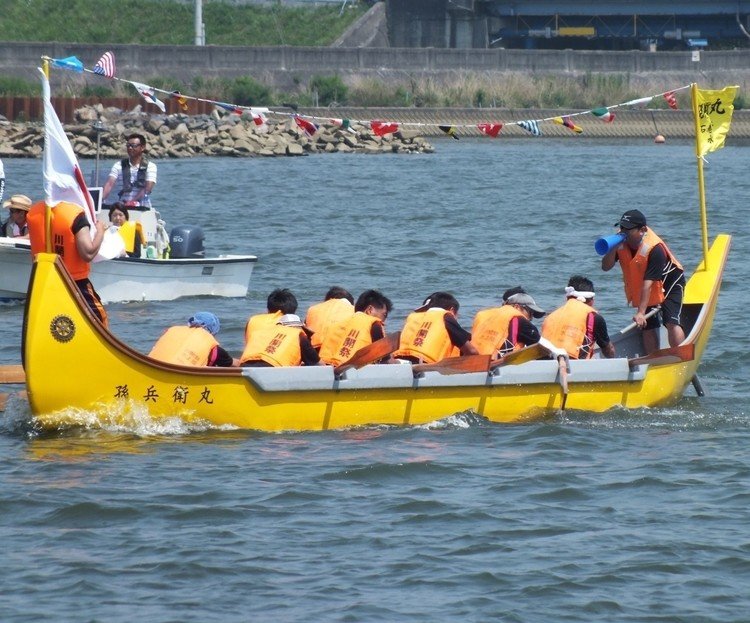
<point>606,243</point>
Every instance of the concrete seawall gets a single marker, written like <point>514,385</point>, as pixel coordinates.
<point>282,67</point>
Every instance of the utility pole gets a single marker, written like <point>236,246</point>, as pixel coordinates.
<point>200,35</point>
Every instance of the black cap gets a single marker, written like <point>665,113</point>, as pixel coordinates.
<point>631,219</point>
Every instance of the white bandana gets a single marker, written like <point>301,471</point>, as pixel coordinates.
<point>571,292</point>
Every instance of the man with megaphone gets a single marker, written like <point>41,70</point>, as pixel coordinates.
<point>652,277</point>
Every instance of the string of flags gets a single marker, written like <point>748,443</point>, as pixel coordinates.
<point>309,124</point>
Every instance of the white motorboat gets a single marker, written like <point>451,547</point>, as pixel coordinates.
<point>152,277</point>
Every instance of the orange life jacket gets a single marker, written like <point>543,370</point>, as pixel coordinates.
<point>322,317</point>
<point>259,321</point>
<point>347,338</point>
<point>570,327</point>
<point>187,346</point>
<point>494,327</point>
<point>425,337</point>
<point>275,344</point>
<point>127,233</point>
<point>63,239</point>
<point>634,264</point>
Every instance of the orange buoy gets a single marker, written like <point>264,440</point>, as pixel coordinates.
<point>659,138</point>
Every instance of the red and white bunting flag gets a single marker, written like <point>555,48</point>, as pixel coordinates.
<point>671,100</point>
<point>308,126</point>
<point>381,128</point>
<point>105,66</point>
<point>490,129</point>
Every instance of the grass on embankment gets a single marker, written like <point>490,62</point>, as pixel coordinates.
<point>173,23</point>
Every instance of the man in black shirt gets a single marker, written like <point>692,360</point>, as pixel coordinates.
<point>652,276</point>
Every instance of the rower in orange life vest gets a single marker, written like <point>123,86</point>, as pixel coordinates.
<point>73,242</point>
<point>193,344</point>
<point>652,276</point>
<point>279,303</point>
<point>499,330</point>
<point>285,343</point>
<point>362,329</point>
<point>336,308</point>
<point>432,332</point>
<point>577,326</point>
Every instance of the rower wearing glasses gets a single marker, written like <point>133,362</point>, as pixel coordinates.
<point>135,174</point>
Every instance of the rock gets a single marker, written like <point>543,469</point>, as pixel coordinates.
<point>183,136</point>
<point>294,149</point>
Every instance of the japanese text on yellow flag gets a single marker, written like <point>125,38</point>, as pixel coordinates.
<point>713,113</point>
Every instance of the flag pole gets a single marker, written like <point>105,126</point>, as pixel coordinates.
<point>701,182</point>
<point>47,208</point>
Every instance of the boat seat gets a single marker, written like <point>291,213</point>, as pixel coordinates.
<point>374,376</point>
<point>303,378</point>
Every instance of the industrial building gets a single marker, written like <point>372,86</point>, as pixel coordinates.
<point>576,24</point>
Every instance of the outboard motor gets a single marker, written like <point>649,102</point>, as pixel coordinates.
<point>186,241</point>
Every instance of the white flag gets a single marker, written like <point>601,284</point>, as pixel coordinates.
<point>63,180</point>
<point>148,94</point>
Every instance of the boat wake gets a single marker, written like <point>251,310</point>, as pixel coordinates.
<point>686,416</point>
<point>131,419</point>
<point>465,419</point>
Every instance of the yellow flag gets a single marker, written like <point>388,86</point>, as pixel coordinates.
<point>713,114</point>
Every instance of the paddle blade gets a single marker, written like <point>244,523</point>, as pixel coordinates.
<point>455,365</point>
<point>517,357</point>
<point>665,356</point>
<point>370,353</point>
<point>12,374</point>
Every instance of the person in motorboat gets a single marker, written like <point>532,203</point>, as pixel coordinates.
<point>337,307</point>
<point>2,179</point>
<point>432,332</point>
<point>17,226</point>
<point>366,326</point>
<point>576,326</point>
<point>131,232</point>
<point>285,343</point>
<point>652,276</point>
<point>498,331</point>
<point>136,174</point>
<point>71,233</point>
<point>193,344</point>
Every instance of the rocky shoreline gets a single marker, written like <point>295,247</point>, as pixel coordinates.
<point>230,135</point>
<point>217,134</point>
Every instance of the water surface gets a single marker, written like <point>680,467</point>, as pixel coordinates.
<point>623,516</point>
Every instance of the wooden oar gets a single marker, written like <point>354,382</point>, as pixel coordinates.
<point>517,357</point>
<point>633,325</point>
<point>481,363</point>
<point>664,356</point>
<point>370,353</point>
<point>455,365</point>
<point>12,374</point>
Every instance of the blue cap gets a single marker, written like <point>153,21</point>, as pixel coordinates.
<point>207,320</point>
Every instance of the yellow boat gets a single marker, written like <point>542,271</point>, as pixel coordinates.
<point>116,381</point>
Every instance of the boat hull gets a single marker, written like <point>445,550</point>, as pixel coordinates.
<point>138,279</point>
<point>119,383</point>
